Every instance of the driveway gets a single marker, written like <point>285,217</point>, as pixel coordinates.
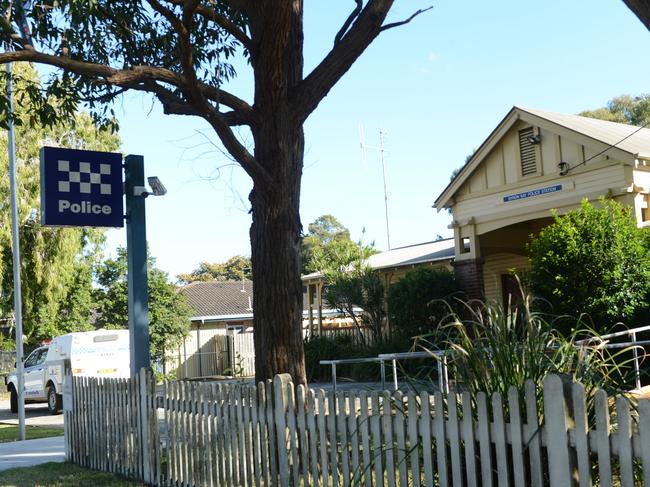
<point>35,415</point>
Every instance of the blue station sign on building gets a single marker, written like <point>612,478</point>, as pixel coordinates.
<point>81,188</point>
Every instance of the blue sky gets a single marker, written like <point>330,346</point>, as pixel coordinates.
<point>437,86</point>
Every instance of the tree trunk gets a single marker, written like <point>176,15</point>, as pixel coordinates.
<point>276,29</point>
<point>275,254</point>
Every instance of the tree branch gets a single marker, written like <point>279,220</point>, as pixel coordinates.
<point>640,8</point>
<point>406,21</point>
<point>346,25</point>
<point>367,26</point>
<point>255,170</point>
<point>242,112</point>
<point>223,22</point>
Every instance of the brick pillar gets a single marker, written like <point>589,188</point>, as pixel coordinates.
<point>469,274</point>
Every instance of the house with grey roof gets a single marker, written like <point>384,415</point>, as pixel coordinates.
<point>532,162</point>
<point>392,265</point>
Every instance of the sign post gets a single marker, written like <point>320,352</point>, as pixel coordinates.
<point>84,189</point>
<point>136,243</point>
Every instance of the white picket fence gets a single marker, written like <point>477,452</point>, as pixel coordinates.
<point>274,434</point>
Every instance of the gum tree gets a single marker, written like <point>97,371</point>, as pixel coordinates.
<point>179,51</point>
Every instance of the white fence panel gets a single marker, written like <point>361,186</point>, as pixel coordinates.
<point>200,433</point>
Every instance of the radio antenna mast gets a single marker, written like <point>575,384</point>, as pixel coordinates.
<point>382,150</point>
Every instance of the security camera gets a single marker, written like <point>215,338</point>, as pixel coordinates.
<point>157,188</point>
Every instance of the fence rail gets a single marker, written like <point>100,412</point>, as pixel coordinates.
<point>276,434</point>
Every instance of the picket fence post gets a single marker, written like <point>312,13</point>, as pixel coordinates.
<point>555,417</point>
<point>280,403</point>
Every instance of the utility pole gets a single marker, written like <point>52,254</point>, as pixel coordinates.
<point>18,302</point>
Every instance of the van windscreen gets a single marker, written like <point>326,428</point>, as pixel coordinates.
<point>105,338</point>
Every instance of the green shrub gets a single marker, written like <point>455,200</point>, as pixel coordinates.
<point>593,261</point>
<point>415,303</point>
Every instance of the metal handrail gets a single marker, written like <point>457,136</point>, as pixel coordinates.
<point>634,344</point>
<point>439,355</point>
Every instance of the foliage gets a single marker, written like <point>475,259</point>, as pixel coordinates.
<point>168,312</point>
<point>351,285</point>
<point>234,269</point>
<point>496,348</point>
<point>592,260</point>
<point>415,302</point>
<point>633,110</point>
<point>324,232</point>
<point>54,260</point>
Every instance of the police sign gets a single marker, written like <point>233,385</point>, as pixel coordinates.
<point>81,188</point>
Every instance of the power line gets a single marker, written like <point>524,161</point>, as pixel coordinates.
<point>569,168</point>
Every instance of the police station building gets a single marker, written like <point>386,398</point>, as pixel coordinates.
<point>532,162</point>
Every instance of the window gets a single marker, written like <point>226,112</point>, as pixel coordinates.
<point>528,151</point>
<point>37,357</point>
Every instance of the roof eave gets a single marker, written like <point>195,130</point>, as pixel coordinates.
<point>488,144</point>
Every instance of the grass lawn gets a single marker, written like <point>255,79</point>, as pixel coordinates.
<point>61,475</point>
<point>9,432</point>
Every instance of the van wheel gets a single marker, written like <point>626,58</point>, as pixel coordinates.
<point>13,401</point>
<point>54,400</point>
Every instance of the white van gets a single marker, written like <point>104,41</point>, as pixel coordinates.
<point>101,353</point>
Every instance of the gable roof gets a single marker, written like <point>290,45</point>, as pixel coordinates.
<point>627,140</point>
<point>422,253</point>
<point>216,298</point>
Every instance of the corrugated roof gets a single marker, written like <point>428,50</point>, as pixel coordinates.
<point>215,298</point>
<point>610,133</point>
<point>414,254</point>
<point>406,256</point>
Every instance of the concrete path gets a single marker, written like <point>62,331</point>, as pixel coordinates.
<point>31,452</point>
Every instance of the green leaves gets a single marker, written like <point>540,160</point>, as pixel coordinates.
<point>120,35</point>
<point>634,110</point>
<point>595,261</point>
<point>169,315</point>
<point>236,268</point>
<point>57,263</point>
<point>415,302</point>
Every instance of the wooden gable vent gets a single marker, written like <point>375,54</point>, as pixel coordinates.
<point>528,152</point>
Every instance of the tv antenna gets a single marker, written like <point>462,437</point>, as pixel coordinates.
<point>364,161</point>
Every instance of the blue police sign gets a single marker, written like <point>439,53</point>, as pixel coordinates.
<point>81,188</point>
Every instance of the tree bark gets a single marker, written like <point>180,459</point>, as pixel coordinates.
<point>277,34</point>
<point>641,9</point>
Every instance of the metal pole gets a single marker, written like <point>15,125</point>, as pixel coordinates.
<point>383,170</point>
<point>382,368</point>
<point>136,245</point>
<point>636,362</point>
<point>334,378</point>
<point>395,384</point>
<point>18,302</point>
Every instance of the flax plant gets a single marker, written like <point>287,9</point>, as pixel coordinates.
<point>493,347</point>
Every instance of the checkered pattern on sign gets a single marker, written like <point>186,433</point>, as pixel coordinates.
<point>85,180</point>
